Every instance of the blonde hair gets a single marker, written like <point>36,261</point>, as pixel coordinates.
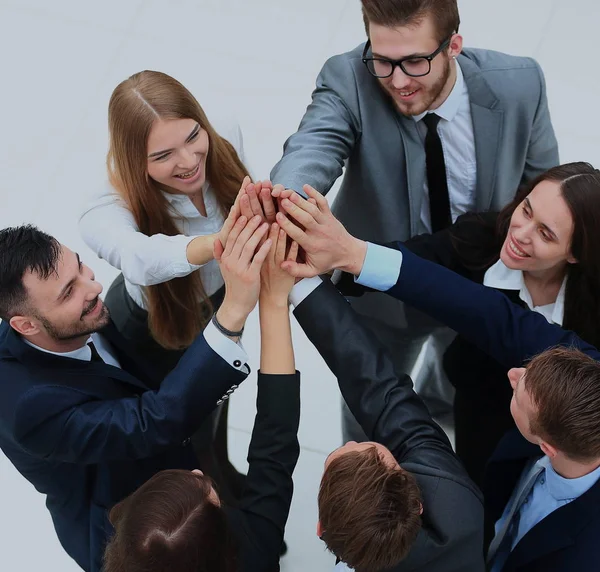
<point>178,309</point>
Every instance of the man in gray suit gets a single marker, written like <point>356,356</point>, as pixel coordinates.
<point>408,112</point>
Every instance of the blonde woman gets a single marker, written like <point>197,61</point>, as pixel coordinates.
<point>173,179</point>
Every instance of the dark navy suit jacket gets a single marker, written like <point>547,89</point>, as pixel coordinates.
<point>88,434</point>
<point>567,539</point>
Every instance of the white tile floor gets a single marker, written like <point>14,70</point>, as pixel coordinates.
<point>256,61</point>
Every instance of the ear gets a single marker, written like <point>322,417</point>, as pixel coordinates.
<point>319,529</point>
<point>548,450</point>
<point>571,259</point>
<point>421,509</point>
<point>456,45</point>
<point>25,325</point>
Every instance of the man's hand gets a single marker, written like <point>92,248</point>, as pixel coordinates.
<point>240,264</point>
<point>326,243</point>
<point>258,201</point>
<point>276,283</point>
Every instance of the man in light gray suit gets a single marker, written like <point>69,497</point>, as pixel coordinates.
<point>408,112</point>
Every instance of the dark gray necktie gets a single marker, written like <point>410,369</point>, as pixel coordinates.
<point>95,355</point>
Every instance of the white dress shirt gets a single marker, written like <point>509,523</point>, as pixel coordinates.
<point>458,142</point>
<point>233,353</point>
<point>109,229</point>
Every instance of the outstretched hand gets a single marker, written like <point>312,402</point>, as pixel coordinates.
<point>276,283</point>
<point>326,243</point>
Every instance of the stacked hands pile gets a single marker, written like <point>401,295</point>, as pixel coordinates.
<point>455,224</point>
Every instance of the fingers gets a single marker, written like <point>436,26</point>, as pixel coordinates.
<point>298,270</point>
<point>277,190</point>
<point>238,227</point>
<point>252,191</point>
<point>281,244</point>
<point>268,204</point>
<point>218,249</point>
<point>300,214</point>
<point>306,205</point>
<point>261,255</point>
<point>291,229</point>
<point>321,201</point>
<point>248,246</point>
<point>231,219</point>
<point>293,253</point>
<point>245,207</point>
<point>247,180</point>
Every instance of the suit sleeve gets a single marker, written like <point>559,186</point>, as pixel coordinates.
<point>316,153</point>
<point>63,424</point>
<point>383,402</point>
<point>272,457</point>
<point>485,317</point>
<point>542,152</point>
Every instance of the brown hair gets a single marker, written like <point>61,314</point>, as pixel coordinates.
<point>395,13</point>
<point>168,524</point>
<point>177,309</point>
<point>369,511</point>
<point>580,188</point>
<point>564,385</point>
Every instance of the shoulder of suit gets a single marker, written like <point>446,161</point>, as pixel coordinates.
<point>489,61</point>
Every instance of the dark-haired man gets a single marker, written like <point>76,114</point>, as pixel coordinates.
<point>80,417</point>
<point>427,131</point>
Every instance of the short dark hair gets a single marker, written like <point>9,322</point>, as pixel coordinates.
<point>394,13</point>
<point>23,248</point>
<point>168,524</point>
<point>370,513</point>
<point>564,385</point>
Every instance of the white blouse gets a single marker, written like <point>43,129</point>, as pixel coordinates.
<point>501,276</point>
<point>107,226</point>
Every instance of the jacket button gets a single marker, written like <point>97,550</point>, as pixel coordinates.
<point>237,363</point>
<point>186,442</point>
<point>219,402</point>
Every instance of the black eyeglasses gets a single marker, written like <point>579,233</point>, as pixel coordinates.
<point>413,66</point>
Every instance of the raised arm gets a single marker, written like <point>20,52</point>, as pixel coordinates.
<point>80,429</point>
<point>382,400</point>
<point>316,153</point>
<point>274,447</point>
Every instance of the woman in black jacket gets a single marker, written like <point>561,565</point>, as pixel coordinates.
<point>541,251</point>
<point>176,521</point>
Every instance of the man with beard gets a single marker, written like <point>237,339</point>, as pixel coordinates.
<point>427,131</point>
<point>81,418</point>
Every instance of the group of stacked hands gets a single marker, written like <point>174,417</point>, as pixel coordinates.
<point>115,409</point>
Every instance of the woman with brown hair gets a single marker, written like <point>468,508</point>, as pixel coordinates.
<point>173,179</point>
<point>178,520</point>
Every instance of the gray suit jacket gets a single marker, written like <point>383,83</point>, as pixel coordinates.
<point>352,121</point>
<point>391,413</point>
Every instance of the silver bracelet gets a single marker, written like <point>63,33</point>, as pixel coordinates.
<point>224,330</point>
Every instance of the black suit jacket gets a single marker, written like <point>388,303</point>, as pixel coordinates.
<point>259,522</point>
<point>391,413</point>
<point>88,434</point>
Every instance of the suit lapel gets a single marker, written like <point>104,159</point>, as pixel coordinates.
<point>71,367</point>
<point>415,169</point>
<point>487,129</point>
<point>558,530</point>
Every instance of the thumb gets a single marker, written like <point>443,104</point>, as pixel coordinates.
<point>298,270</point>
<point>218,250</point>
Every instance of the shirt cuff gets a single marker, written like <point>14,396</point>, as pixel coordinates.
<point>305,287</point>
<point>233,353</point>
<point>381,267</point>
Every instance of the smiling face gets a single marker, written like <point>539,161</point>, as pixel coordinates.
<point>177,151</point>
<point>415,95</point>
<point>65,307</point>
<point>540,231</point>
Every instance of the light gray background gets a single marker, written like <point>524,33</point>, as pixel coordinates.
<point>256,61</point>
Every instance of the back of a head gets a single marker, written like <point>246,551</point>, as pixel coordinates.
<point>22,249</point>
<point>370,513</point>
<point>170,524</point>
<point>564,385</point>
<point>401,13</point>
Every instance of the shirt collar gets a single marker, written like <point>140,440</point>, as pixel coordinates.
<point>84,353</point>
<point>504,278</point>
<point>183,206</point>
<point>563,489</point>
<point>449,108</point>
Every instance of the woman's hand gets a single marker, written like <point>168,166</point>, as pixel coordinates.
<point>276,283</point>
<point>240,261</point>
